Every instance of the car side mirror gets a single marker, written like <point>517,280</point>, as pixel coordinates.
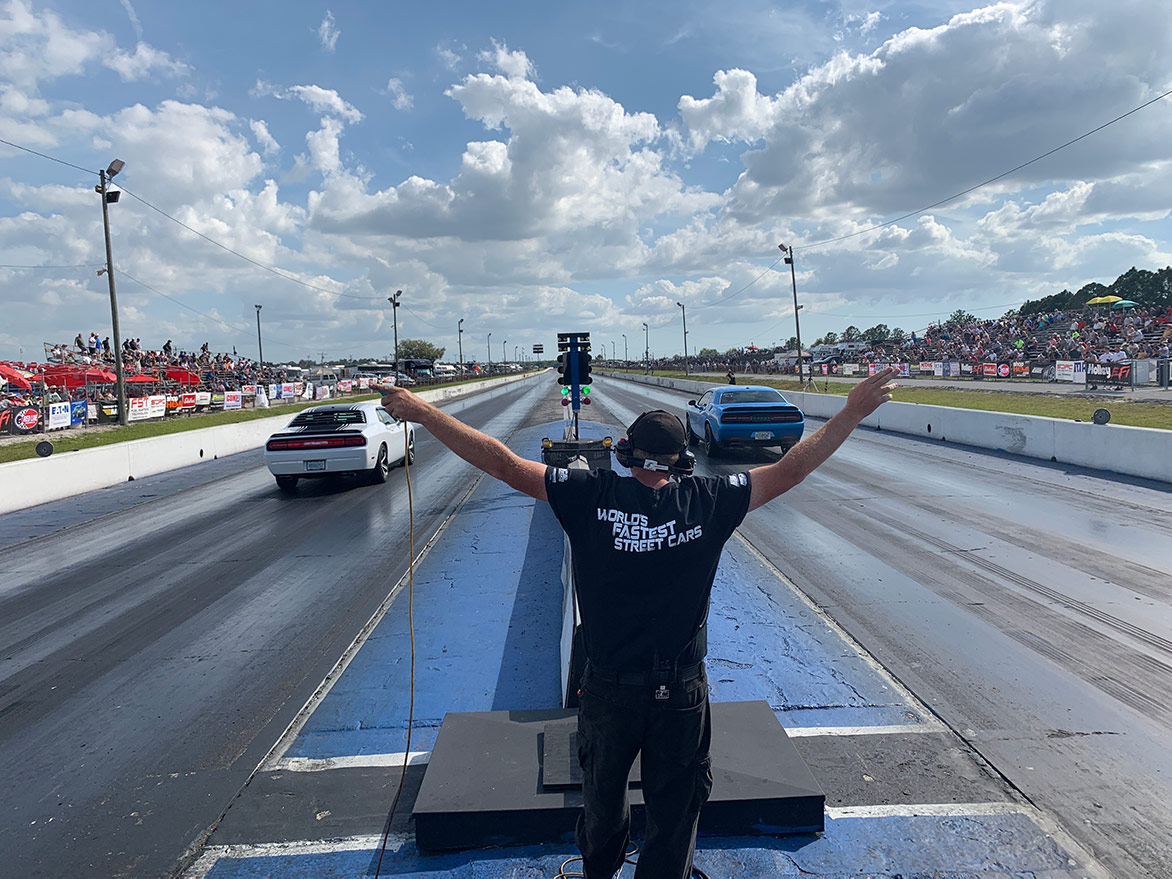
<point>691,402</point>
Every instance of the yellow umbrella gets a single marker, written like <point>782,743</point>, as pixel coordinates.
<point>1103,300</point>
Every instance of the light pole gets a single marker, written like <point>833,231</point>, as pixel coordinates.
<point>394,300</point>
<point>789,258</point>
<point>684,313</point>
<point>260,350</point>
<point>109,198</point>
<point>504,350</point>
<point>626,356</point>
<point>460,342</point>
<point>490,349</point>
<point>646,350</point>
<point>517,353</point>
<point>613,355</point>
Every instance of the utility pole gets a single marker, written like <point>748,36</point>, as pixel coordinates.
<point>626,355</point>
<point>684,312</point>
<point>260,351</point>
<point>490,349</point>
<point>646,350</point>
<point>109,198</point>
<point>394,300</point>
<point>789,258</point>
<point>460,342</point>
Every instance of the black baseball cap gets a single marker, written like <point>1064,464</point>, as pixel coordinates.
<point>657,433</point>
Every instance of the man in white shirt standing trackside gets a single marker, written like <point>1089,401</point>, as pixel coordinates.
<point>645,552</point>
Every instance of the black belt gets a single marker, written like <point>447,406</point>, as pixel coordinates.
<point>681,675</point>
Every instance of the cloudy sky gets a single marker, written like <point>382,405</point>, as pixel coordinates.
<point>533,167</point>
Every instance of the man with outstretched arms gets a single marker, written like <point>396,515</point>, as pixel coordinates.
<point>645,552</point>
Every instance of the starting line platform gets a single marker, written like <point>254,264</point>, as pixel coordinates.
<point>904,796</point>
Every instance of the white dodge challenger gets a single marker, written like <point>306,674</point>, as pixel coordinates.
<point>359,438</point>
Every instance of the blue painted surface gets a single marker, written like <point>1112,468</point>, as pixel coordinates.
<point>487,623</point>
<point>1009,845</point>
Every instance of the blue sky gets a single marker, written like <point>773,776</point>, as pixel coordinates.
<point>541,167</point>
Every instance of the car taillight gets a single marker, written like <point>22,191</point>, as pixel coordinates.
<point>315,442</point>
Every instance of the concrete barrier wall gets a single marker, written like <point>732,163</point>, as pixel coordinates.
<point>64,474</point>
<point>1133,451</point>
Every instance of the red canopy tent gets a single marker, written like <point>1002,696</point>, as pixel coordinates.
<point>142,378</point>
<point>16,377</point>
<point>183,376</point>
<point>76,376</point>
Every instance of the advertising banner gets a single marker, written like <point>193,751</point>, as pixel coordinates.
<point>989,369</point>
<point>1064,370</point>
<point>321,392</point>
<point>1004,370</point>
<point>1021,368</point>
<point>248,390</point>
<point>363,383</point>
<point>233,400</point>
<point>187,402</point>
<point>1117,374</point>
<point>847,369</point>
<point>345,386</point>
<point>203,399</point>
<point>298,388</point>
<point>926,367</point>
<point>19,420</point>
<point>966,369</point>
<point>274,392</point>
<point>905,370</point>
<point>287,391</point>
<point>58,416</point>
<point>77,412</point>
<point>137,409</point>
<point>217,400</point>
<point>156,406</point>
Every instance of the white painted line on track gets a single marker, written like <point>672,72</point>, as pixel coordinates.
<point>928,810</point>
<point>897,729</point>
<point>357,761</point>
<point>212,854</point>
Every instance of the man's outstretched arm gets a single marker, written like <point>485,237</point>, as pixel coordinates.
<point>803,459</point>
<point>478,449</point>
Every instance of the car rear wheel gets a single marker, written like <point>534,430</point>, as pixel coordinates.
<point>287,483</point>
<point>410,458</point>
<point>382,467</point>
<point>711,446</point>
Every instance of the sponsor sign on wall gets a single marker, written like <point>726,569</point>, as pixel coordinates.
<point>138,409</point>
<point>156,406</point>
<point>77,412</point>
<point>58,416</point>
<point>203,399</point>
<point>21,419</point>
<point>1003,370</point>
<point>248,389</point>
<point>926,367</point>
<point>187,401</point>
<point>321,392</point>
<point>287,390</point>
<point>989,369</point>
<point>1064,370</point>
<point>233,400</point>
<point>346,385</point>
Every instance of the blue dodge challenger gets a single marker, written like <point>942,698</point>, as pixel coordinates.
<point>743,415</point>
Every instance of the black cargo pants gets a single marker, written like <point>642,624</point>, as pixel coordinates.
<point>620,717</point>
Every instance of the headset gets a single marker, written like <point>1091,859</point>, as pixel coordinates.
<point>683,465</point>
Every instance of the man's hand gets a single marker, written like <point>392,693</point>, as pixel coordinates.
<point>869,394</point>
<point>403,404</point>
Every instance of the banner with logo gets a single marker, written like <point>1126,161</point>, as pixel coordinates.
<point>346,385</point>
<point>58,416</point>
<point>77,412</point>
<point>217,400</point>
<point>287,391</point>
<point>1064,370</point>
<point>1020,368</point>
<point>19,420</point>
<point>1117,374</point>
<point>274,392</point>
<point>1004,370</point>
<point>203,399</point>
<point>233,400</point>
<point>989,370</point>
<point>248,390</point>
<point>321,392</point>
<point>926,367</point>
<point>905,370</point>
<point>157,406</point>
<point>187,401</point>
<point>138,409</point>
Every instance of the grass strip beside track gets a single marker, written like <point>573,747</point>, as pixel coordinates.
<point>1065,406</point>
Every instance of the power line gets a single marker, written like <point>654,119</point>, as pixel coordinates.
<point>249,259</point>
<point>50,158</point>
<point>984,183</point>
<point>95,265</point>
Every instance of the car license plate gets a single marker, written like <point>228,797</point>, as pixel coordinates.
<point>315,465</point>
<point>762,434</point>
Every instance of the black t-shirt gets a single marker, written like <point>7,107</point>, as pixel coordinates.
<point>644,560</point>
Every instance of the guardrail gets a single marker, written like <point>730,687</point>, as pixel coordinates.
<point>1133,451</point>
<point>39,480</point>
